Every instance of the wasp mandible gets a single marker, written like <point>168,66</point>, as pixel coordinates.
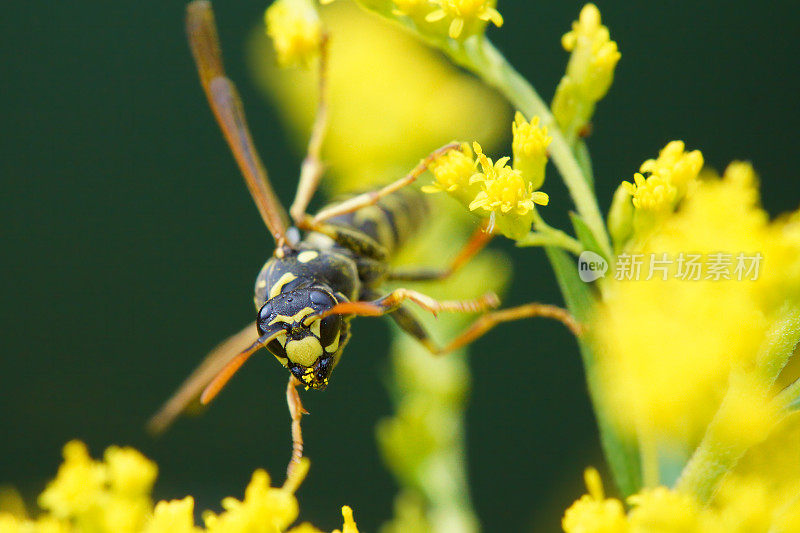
<point>315,283</point>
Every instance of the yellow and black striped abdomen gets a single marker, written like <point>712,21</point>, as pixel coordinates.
<point>390,222</point>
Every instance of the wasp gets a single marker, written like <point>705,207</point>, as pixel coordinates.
<point>317,281</point>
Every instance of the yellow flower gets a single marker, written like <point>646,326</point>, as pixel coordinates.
<point>529,144</point>
<point>78,485</point>
<point>129,472</point>
<point>662,509</point>
<point>504,196</point>
<point>467,17</point>
<point>677,166</point>
<point>349,523</point>
<point>711,280</point>
<point>295,29</point>
<point>452,171</point>
<point>176,516</point>
<point>669,179</point>
<point>590,71</point>
<point>113,496</point>
<point>653,193</point>
<point>504,189</point>
<point>593,513</point>
<point>263,508</point>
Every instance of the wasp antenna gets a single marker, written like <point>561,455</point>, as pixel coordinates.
<point>221,379</point>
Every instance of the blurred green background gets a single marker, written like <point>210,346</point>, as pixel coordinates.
<point>130,246</point>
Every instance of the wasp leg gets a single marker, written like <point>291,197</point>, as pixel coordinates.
<point>483,324</point>
<point>296,412</point>
<point>312,167</point>
<point>410,325</point>
<point>477,242</point>
<point>371,198</point>
<point>392,301</point>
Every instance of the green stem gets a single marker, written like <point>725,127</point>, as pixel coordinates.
<point>622,453</point>
<point>716,456</point>
<point>546,235</point>
<point>555,238</point>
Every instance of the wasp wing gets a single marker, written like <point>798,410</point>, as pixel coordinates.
<point>229,112</point>
<point>189,392</point>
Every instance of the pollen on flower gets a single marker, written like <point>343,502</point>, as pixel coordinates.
<point>503,188</point>
<point>295,29</point>
<point>467,17</point>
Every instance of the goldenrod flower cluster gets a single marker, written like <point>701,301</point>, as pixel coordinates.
<point>674,345</point>
<point>504,189</point>
<point>759,496</point>
<point>295,29</point>
<point>655,192</point>
<point>590,71</point>
<point>505,194</point>
<point>529,144</point>
<point>113,496</point>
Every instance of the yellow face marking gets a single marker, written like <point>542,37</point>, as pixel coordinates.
<point>315,327</point>
<point>297,317</point>
<point>308,255</point>
<point>276,289</point>
<point>305,351</point>
<point>332,347</point>
<point>261,283</point>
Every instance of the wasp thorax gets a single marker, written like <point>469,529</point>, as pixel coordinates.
<point>304,343</point>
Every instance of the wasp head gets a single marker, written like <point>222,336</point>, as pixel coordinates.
<point>305,344</point>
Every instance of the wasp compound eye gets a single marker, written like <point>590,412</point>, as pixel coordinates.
<point>329,331</point>
<point>321,299</point>
<point>264,316</point>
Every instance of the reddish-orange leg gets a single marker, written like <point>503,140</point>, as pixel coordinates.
<point>372,197</point>
<point>477,242</point>
<point>296,412</point>
<point>392,301</point>
<point>486,322</point>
